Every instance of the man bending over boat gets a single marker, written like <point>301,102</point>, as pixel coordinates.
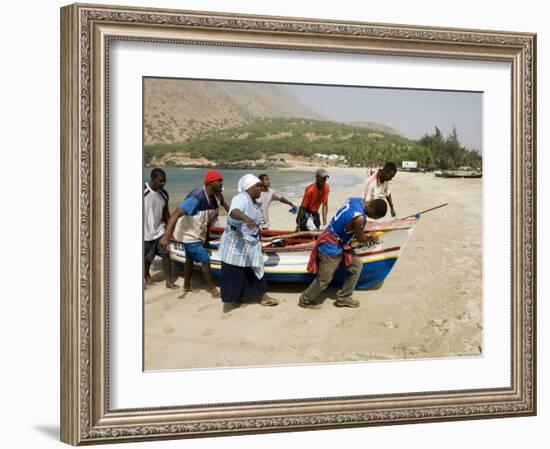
<point>377,186</point>
<point>196,214</point>
<point>333,249</point>
<point>315,197</point>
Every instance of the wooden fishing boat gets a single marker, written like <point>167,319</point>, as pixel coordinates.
<point>462,172</point>
<point>286,253</point>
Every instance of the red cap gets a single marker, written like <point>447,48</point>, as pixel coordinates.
<point>212,176</point>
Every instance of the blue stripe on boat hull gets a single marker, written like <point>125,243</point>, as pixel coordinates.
<point>373,273</point>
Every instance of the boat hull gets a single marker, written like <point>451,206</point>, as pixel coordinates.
<point>372,274</point>
<point>462,174</point>
<point>286,265</point>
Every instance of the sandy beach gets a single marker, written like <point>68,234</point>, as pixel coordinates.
<point>429,306</point>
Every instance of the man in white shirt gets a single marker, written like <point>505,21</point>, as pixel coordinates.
<point>267,196</point>
<point>377,185</point>
<point>155,217</point>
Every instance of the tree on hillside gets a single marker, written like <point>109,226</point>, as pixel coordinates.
<point>448,153</point>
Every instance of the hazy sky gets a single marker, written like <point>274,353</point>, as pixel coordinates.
<point>412,113</point>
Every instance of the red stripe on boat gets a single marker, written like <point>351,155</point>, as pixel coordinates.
<point>381,251</point>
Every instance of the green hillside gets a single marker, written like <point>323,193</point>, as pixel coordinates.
<point>305,137</point>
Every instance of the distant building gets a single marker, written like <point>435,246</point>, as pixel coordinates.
<point>331,158</point>
<point>409,164</point>
<point>277,158</point>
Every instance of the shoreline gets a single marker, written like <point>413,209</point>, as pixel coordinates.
<point>292,192</point>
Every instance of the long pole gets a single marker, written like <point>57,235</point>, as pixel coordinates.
<point>427,210</point>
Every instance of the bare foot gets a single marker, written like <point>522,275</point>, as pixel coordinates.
<point>149,281</point>
<point>214,292</point>
<point>170,284</point>
<point>190,289</point>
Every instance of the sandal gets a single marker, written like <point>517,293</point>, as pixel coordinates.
<point>269,301</point>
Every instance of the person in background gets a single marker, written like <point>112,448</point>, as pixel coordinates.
<point>155,217</point>
<point>333,249</point>
<point>315,197</point>
<point>193,217</point>
<point>377,186</point>
<point>242,275</point>
<point>267,196</point>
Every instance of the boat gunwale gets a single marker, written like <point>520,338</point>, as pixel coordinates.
<point>408,223</point>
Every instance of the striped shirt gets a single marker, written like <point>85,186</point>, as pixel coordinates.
<point>241,246</point>
<point>201,211</point>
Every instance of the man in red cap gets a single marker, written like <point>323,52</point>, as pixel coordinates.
<point>191,221</point>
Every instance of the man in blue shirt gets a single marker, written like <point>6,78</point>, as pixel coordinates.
<point>193,217</point>
<point>333,249</point>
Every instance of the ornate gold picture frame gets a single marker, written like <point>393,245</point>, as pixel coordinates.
<point>87,33</point>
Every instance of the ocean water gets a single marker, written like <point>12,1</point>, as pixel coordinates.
<point>291,184</point>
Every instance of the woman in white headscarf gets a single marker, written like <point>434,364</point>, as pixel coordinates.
<point>242,274</point>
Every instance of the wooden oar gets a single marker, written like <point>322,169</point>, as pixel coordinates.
<point>267,241</point>
<point>293,234</point>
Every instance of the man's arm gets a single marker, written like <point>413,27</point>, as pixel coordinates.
<point>223,203</point>
<point>390,202</point>
<point>358,224</point>
<point>238,214</point>
<point>282,199</point>
<point>303,207</point>
<point>324,209</point>
<point>170,226</point>
<point>165,213</point>
<point>368,190</point>
<point>300,217</point>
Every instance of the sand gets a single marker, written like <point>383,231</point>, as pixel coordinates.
<point>429,306</point>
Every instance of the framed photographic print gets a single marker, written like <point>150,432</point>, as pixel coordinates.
<point>281,224</point>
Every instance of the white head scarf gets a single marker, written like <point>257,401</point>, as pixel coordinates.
<point>246,182</point>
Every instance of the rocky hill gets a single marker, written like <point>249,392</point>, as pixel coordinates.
<point>176,110</point>
<point>374,126</point>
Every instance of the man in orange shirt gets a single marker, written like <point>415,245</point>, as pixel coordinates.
<point>315,197</point>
